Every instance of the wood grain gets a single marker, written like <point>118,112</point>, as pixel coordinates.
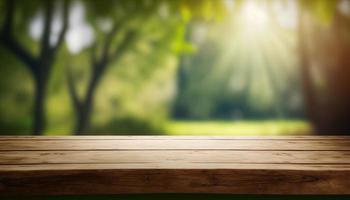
<point>166,164</point>
<point>183,156</point>
<point>174,165</point>
<point>164,137</point>
<point>178,144</point>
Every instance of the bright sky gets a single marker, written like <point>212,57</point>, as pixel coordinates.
<point>80,34</point>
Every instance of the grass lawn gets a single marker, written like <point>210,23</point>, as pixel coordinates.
<point>249,127</point>
<point>269,127</point>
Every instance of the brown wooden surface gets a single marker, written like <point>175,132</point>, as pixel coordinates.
<point>167,164</point>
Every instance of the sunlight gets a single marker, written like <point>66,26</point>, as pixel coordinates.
<point>262,37</point>
<point>254,17</point>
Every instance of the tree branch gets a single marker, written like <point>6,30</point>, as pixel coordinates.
<point>117,26</point>
<point>65,20</point>
<point>45,39</point>
<point>12,45</point>
<point>130,37</point>
<point>99,65</point>
<point>93,54</point>
<point>8,41</point>
<point>9,13</point>
<point>73,90</point>
<point>109,39</point>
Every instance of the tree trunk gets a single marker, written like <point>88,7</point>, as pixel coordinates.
<point>40,95</point>
<point>327,107</point>
<point>337,110</point>
<point>86,106</point>
<point>40,66</point>
<point>83,117</point>
<point>39,107</point>
<point>180,110</point>
<point>308,90</point>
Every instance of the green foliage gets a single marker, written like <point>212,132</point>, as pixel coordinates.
<point>323,10</point>
<point>15,101</point>
<point>128,125</point>
<point>26,10</point>
<point>238,74</point>
<point>136,93</point>
<point>203,9</point>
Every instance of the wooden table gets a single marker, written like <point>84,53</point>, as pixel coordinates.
<point>164,164</point>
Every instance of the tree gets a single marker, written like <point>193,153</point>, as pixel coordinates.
<point>324,46</point>
<point>105,51</point>
<point>99,63</point>
<point>40,66</point>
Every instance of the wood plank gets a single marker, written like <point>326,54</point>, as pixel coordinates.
<point>204,156</point>
<point>129,181</point>
<point>174,165</point>
<point>168,144</point>
<point>164,137</point>
<point>165,164</point>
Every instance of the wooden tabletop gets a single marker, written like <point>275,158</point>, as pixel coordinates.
<point>165,164</point>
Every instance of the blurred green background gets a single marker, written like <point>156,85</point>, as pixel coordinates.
<point>175,67</point>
